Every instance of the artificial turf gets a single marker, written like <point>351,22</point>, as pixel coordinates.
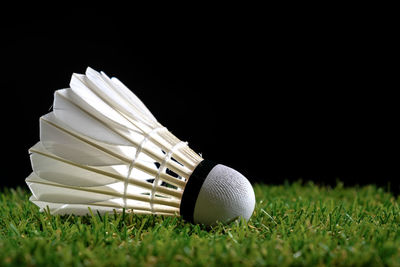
<point>293,224</point>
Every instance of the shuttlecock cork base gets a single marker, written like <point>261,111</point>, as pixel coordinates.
<point>101,148</point>
<point>215,193</point>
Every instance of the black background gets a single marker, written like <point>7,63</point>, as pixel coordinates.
<point>276,95</point>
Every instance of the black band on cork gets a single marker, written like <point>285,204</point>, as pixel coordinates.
<point>193,187</point>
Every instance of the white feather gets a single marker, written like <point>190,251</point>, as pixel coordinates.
<point>61,141</point>
<point>76,209</point>
<point>131,97</point>
<point>57,171</point>
<point>87,121</point>
<point>47,191</point>
<point>104,88</point>
<point>60,193</point>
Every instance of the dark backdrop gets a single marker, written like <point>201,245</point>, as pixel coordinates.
<point>275,96</point>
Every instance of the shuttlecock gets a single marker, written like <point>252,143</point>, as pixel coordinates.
<point>102,148</point>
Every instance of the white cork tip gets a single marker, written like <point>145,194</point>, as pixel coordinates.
<point>225,196</point>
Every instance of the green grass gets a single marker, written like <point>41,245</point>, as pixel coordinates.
<point>293,224</point>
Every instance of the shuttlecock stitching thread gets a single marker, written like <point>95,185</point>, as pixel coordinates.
<point>138,151</point>
<point>161,169</point>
